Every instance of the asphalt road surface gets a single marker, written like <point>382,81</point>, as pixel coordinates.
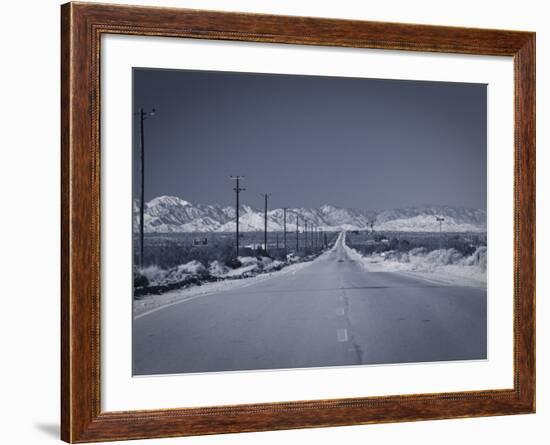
<point>329,313</point>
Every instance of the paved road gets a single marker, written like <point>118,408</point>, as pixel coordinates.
<point>331,312</point>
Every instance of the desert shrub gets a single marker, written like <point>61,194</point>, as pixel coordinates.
<point>404,245</point>
<point>261,252</point>
<point>217,268</point>
<point>153,273</point>
<point>396,255</point>
<point>192,268</point>
<point>223,253</point>
<point>233,263</point>
<point>140,280</point>
<point>246,251</point>
<point>444,257</point>
<point>478,258</point>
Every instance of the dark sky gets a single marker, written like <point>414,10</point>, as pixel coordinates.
<point>311,140</point>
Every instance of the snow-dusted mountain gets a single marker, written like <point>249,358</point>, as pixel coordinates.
<point>422,219</point>
<point>166,214</point>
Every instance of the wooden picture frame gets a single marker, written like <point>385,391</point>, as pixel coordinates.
<point>82,25</point>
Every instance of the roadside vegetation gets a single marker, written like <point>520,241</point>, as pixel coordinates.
<point>174,261</point>
<point>459,258</point>
<point>465,243</point>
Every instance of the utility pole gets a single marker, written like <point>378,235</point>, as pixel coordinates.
<point>266,196</point>
<point>284,228</point>
<point>237,190</point>
<point>317,241</point>
<point>440,219</point>
<point>297,233</point>
<point>143,115</point>
<point>305,232</point>
<point>314,234</point>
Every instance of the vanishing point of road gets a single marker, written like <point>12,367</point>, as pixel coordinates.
<point>331,312</point>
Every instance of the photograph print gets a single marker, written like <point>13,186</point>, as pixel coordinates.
<point>290,221</point>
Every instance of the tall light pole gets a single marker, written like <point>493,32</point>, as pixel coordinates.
<point>266,196</point>
<point>143,115</point>
<point>237,190</point>
<point>305,232</point>
<point>440,219</point>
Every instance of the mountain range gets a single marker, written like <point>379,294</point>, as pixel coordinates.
<point>170,214</point>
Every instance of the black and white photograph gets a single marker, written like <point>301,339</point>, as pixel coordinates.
<point>295,221</point>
